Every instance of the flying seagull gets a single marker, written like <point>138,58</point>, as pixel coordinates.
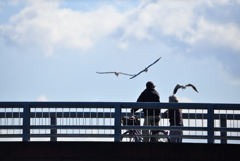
<point>184,87</point>
<point>146,69</point>
<point>116,73</point>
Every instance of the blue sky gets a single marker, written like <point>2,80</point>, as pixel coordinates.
<point>51,50</point>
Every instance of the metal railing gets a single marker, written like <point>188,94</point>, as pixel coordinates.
<point>101,121</point>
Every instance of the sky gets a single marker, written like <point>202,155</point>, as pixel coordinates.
<point>50,50</point>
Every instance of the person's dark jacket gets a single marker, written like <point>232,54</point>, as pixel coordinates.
<point>149,95</point>
<point>175,117</point>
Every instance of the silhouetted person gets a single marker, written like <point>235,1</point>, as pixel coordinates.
<point>152,117</point>
<point>175,119</point>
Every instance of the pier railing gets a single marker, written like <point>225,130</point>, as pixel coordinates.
<point>101,121</point>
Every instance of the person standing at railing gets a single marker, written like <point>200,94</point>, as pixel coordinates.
<point>175,119</point>
<point>152,116</point>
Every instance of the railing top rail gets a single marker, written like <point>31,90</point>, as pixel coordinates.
<point>146,105</point>
<point>60,104</point>
<point>180,105</point>
<point>151,105</point>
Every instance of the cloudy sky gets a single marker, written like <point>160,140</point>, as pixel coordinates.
<point>50,50</point>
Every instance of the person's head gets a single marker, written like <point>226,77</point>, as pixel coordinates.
<point>173,98</point>
<point>150,85</point>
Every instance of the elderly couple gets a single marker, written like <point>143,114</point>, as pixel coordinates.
<point>152,116</point>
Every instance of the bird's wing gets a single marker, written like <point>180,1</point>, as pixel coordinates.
<point>136,74</point>
<point>126,74</point>
<point>145,68</point>
<point>154,62</point>
<point>176,88</point>
<point>190,85</point>
<point>105,72</point>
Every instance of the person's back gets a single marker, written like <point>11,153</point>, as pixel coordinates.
<point>175,119</point>
<point>152,116</point>
<point>149,95</point>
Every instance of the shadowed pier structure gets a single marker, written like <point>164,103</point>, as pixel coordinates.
<point>103,151</point>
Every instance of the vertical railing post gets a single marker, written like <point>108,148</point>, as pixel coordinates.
<point>210,120</point>
<point>117,127</point>
<point>26,122</point>
<point>223,123</point>
<point>53,131</point>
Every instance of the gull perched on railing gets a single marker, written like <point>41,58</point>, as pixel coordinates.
<point>146,69</point>
<point>184,87</point>
<point>116,73</point>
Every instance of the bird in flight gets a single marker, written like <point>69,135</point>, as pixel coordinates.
<point>116,73</point>
<point>146,69</point>
<point>184,87</point>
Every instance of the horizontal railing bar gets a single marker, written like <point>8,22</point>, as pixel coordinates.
<point>112,135</point>
<point>59,104</point>
<point>72,105</point>
<point>147,105</point>
<point>122,127</point>
<point>11,115</point>
<point>227,129</point>
<point>216,116</point>
<point>196,116</point>
<point>227,137</point>
<point>191,136</point>
<point>227,116</point>
<point>165,136</point>
<point>10,135</point>
<point>205,137</point>
<point>218,106</point>
<point>180,128</point>
<point>194,136</point>
<point>109,115</point>
<point>165,128</point>
<point>11,104</point>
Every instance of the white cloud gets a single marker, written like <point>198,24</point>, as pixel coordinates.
<point>217,34</point>
<point>42,98</point>
<point>171,18</point>
<point>181,21</point>
<point>221,2</point>
<point>45,24</point>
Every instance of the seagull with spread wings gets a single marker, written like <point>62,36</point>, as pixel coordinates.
<point>116,73</point>
<point>146,69</point>
<point>184,87</point>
